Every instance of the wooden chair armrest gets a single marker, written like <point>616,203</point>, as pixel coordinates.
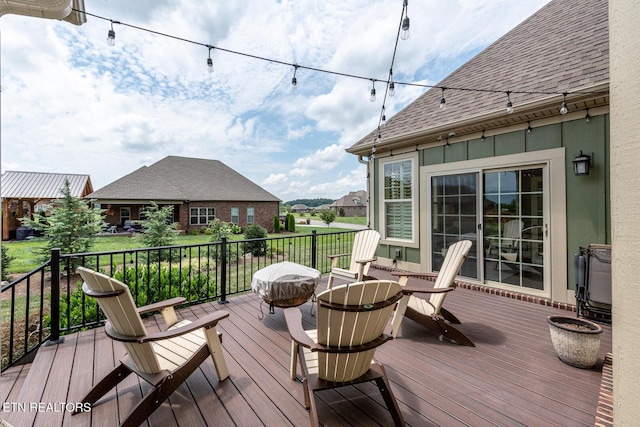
<point>293,317</point>
<point>158,306</point>
<point>206,322</point>
<point>337,255</point>
<point>366,261</point>
<point>410,274</point>
<point>411,289</point>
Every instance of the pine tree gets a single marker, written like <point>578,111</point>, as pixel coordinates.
<point>68,223</point>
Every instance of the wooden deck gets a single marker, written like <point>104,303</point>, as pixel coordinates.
<point>512,377</point>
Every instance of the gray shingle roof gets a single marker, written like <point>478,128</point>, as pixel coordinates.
<point>564,47</point>
<point>42,185</point>
<point>184,178</point>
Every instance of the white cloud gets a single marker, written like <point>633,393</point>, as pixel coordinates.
<point>75,105</point>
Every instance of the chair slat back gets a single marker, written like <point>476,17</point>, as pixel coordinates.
<point>351,328</point>
<point>456,254</point>
<point>123,315</point>
<point>511,233</point>
<point>365,244</point>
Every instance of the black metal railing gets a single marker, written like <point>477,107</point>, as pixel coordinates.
<point>42,306</point>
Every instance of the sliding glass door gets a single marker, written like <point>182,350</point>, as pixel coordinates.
<point>503,213</point>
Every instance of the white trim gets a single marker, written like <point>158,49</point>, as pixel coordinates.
<point>555,248</point>
<point>414,242</point>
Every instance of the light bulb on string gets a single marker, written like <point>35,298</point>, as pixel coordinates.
<point>392,85</point>
<point>384,116</point>
<point>404,33</point>
<point>294,80</point>
<point>509,104</point>
<point>372,98</point>
<point>563,107</point>
<point>443,103</point>
<point>210,61</point>
<point>111,36</point>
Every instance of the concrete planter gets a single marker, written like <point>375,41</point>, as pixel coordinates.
<point>576,341</point>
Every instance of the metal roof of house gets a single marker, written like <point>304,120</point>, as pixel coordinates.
<point>564,47</point>
<point>184,178</point>
<point>42,185</point>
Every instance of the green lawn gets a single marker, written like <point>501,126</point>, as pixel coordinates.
<point>357,220</point>
<point>25,253</point>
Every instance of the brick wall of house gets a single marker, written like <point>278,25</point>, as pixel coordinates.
<point>263,212</point>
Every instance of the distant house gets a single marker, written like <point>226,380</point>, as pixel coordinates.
<point>200,190</point>
<point>353,204</point>
<point>475,169</point>
<point>326,207</point>
<point>24,193</point>
<point>300,208</point>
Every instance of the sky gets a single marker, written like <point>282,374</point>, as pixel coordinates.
<point>70,103</point>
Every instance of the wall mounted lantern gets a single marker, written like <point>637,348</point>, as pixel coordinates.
<point>581,164</point>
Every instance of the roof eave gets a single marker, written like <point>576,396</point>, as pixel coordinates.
<point>523,114</point>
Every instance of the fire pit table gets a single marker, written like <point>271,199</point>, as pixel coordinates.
<point>285,284</point>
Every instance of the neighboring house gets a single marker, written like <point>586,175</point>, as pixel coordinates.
<point>353,204</point>
<point>199,190</point>
<point>24,193</point>
<point>300,208</point>
<point>464,173</point>
<point>323,208</point>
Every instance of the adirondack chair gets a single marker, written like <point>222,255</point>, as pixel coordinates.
<point>362,255</point>
<point>350,324</point>
<point>429,312</point>
<point>163,359</point>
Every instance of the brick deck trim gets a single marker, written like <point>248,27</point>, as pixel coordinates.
<point>604,412</point>
<point>494,291</point>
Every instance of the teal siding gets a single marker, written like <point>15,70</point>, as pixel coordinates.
<point>588,206</point>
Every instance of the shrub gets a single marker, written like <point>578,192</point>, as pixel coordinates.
<point>276,224</point>
<point>341,212</point>
<point>257,247</point>
<point>219,229</point>
<point>157,230</point>
<point>291,221</point>
<point>6,261</point>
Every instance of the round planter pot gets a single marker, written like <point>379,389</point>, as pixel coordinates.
<point>576,341</point>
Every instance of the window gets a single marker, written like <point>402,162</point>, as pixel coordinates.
<point>398,199</point>
<point>125,214</point>
<point>250,215</point>
<point>201,216</point>
<point>235,215</point>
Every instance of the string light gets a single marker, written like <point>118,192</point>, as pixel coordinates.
<point>384,116</point>
<point>372,98</point>
<point>294,80</point>
<point>482,138</point>
<point>210,61</point>
<point>111,35</point>
<point>563,106</point>
<point>443,103</point>
<point>587,117</point>
<point>529,129</point>
<point>404,27</point>
<point>509,104</point>
<point>404,34</point>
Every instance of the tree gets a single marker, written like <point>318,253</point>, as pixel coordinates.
<point>68,223</point>
<point>157,228</point>
<point>291,221</point>
<point>327,216</point>
<point>276,224</point>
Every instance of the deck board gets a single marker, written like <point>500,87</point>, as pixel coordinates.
<point>512,377</point>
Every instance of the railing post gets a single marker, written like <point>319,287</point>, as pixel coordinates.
<point>223,271</point>
<point>314,248</point>
<point>54,338</point>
